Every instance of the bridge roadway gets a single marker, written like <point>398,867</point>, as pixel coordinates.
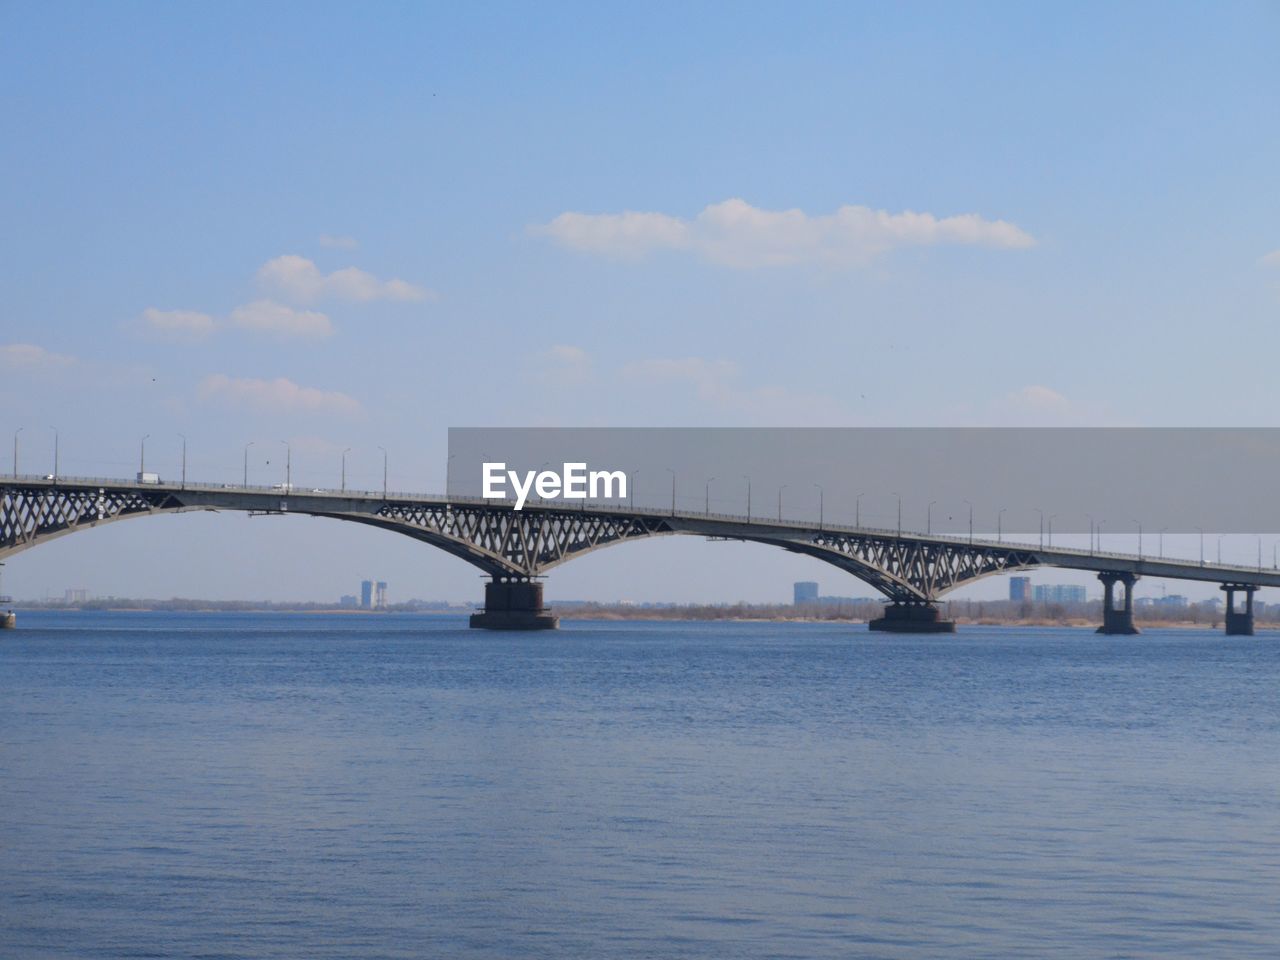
<point>517,548</point>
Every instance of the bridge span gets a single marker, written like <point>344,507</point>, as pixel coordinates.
<point>516,549</point>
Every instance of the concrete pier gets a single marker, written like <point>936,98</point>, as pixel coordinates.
<point>1239,623</point>
<point>919,617</point>
<point>514,605</point>
<point>1118,621</point>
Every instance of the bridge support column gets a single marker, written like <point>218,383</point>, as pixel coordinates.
<point>918,616</point>
<point>1119,621</point>
<point>1239,623</point>
<point>514,605</point>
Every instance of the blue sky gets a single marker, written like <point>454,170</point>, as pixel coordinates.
<point>358,225</point>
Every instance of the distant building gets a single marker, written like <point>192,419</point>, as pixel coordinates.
<point>1019,588</point>
<point>1058,593</point>
<point>366,594</point>
<point>804,591</point>
<point>380,596</point>
<point>76,596</point>
<point>348,601</point>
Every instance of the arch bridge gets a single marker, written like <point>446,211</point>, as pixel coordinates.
<point>516,549</point>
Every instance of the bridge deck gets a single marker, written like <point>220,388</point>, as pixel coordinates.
<point>328,502</point>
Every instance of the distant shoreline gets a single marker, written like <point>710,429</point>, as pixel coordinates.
<point>733,613</point>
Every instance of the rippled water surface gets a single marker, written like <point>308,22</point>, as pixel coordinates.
<point>268,786</point>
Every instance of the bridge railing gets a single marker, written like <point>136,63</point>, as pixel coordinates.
<point>606,507</point>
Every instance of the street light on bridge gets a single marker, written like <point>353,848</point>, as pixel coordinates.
<point>780,489</point>
<point>1090,516</point>
<point>15,452</point>
<point>55,453</point>
<point>857,510</point>
<point>1201,532</point>
<point>246,461</point>
<point>748,479</point>
<point>928,518</point>
<point>1041,512</point>
<point>1052,517</point>
<point>970,522</point>
<point>899,496</point>
<point>1139,523</point>
<point>673,491</point>
<point>821,494</point>
<point>706,505</point>
<point>344,471</point>
<point>288,467</point>
<point>1161,541</point>
<point>1000,525</point>
<point>142,456</point>
<point>384,472</point>
<point>184,460</point>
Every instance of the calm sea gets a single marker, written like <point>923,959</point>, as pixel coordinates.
<point>264,786</point>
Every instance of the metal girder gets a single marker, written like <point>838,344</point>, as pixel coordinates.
<point>31,514</point>
<point>507,543</point>
<point>522,544</point>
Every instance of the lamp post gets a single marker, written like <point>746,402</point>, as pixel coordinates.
<point>780,489</point>
<point>142,456</point>
<point>1000,525</point>
<point>288,467</point>
<point>631,489</point>
<point>857,510</point>
<point>748,479</point>
<point>706,505</point>
<point>1161,536</point>
<point>673,491</point>
<point>899,496</point>
<point>184,460</point>
<point>1041,512</point>
<point>246,461</point>
<point>1219,549</point>
<point>821,495</point>
<point>1201,532</point>
<point>928,518</point>
<point>1052,517</point>
<point>1090,516</point>
<point>15,452</point>
<point>344,472</point>
<point>970,523</point>
<point>384,472</point>
<point>1139,523</point>
<point>55,453</point>
<point>448,475</point>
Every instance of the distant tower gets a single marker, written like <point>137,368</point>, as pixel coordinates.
<point>1019,588</point>
<point>804,591</point>
<point>380,597</point>
<point>366,594</point>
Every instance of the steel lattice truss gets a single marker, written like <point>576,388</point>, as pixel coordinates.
<point>913,570</point>
<point>517,544</point>
<point>28,514</point>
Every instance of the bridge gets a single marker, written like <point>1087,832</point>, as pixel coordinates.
<point>516,549</point>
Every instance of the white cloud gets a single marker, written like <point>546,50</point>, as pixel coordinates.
<point>563,365</point>
<point>716,385</point>
<point>1271,259</point>
<point>28,356</point>
<point>1039,397</point>
<point>337,242</point>
<point>275,396</point>
<point>267,316</point>
<point>735,234</point>
<point>177,324</point>
<point>301,280</point>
